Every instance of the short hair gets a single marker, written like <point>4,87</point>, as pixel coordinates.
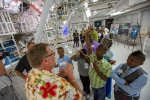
<point>84,51</point>
<point>110,42</point>
<point>105,48</point>
<point>139,55</point>
<point>36,54</point>
<point>60,48</point>
<point>30,43</point>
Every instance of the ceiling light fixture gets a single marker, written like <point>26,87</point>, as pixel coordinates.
<point>116,13</point>
<point>88,13</point>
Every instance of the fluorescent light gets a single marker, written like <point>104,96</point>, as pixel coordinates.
<point>86,4</point>
<point>95,0</point>
<point>116,13</point>
<point>88,12</point>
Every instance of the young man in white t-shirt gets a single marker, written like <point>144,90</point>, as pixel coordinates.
<point>106,32</point>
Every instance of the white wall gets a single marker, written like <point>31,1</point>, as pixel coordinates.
<point>145,18</point>
<point>127,19</point>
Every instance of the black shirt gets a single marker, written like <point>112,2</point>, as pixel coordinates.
<point>23,64</point>
<point>82,37</point>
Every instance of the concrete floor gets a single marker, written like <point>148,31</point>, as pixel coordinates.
<point>121,54</point>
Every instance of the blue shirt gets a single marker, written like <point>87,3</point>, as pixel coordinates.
<point>110,55</point>
<point>64,59</point>
<point>134,88</point>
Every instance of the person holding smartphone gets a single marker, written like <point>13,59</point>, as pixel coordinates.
<point>62,59</point>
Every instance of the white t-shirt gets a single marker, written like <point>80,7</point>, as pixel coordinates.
<point>106,31</point>
<point>99,34</point>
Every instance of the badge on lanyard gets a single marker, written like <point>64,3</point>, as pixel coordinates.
<point>92,46</point>
<point>86,65</point>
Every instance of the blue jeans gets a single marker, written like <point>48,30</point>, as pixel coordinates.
<point>107,36</point>
<point>108,86</point>
<point>99,94</point>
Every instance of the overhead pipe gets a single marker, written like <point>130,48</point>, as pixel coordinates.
<point>58,6</point>
<point>102,8</point>
<point>119,3</point>
<point>130,7</point>
<point>102,2</point>
<point>109,6</point>
<point>134,11</point>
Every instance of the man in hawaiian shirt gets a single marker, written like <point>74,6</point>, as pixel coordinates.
<point>41,84</point>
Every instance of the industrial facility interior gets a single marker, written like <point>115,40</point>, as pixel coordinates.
<point>54,22</point>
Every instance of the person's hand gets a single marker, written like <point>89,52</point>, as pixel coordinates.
<point>80,51</point>
<point>112,62</point>
<point>95,65</point>
<point>69,70</point>
<point>62,72</point>
<point>89,29</point>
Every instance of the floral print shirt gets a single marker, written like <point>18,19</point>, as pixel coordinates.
<point>43,85</point>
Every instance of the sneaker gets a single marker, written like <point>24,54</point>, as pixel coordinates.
<point>109,96</point>
<point>87,97</point>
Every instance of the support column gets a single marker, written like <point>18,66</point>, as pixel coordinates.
<point>139,23</point>
<point>46,8</point>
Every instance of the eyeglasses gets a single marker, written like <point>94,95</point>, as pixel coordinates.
<point>50,55</point>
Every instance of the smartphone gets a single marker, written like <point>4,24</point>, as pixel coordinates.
<point>63,65</point>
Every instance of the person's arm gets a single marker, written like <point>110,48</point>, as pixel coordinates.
<point>85,56</point>
<point>2,68</point>
<point>75,56</point>
<point>19,69</point>
<point>87,39</point>
<point>69,73</point>
<point>97,44</point>
<point>116,77</point>
<point>101,75</point>
<point>135,86</point>
<point>20,74</point>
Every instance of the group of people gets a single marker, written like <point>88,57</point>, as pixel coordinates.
<point>94,63</point>
<point>76,38</point>
<point>98,34</point>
